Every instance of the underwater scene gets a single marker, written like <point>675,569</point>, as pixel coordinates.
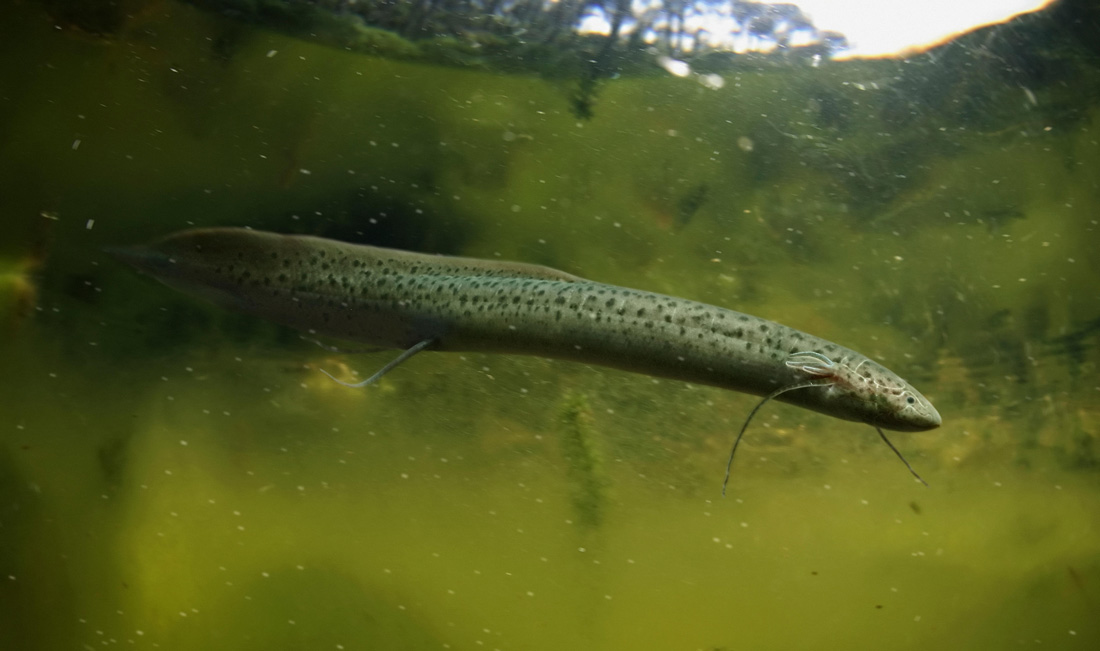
<point>178,475</point>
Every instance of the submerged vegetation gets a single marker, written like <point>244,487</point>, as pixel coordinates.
<point>579,443</point>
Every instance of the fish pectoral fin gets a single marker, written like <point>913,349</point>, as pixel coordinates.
<point>387,368</point>
<point>773,394</point>
<point>898,452</point>
<point>811,362</point>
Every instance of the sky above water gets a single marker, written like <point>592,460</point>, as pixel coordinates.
<point>884,27</point>
<point>874,28</point>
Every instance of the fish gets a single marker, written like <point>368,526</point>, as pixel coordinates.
<point>394,299</point>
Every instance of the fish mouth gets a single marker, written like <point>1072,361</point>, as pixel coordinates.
<point>927,416</point>
<point>934,419</point>
<point>919,420</point>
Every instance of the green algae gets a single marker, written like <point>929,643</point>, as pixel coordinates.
<point>580,447</point>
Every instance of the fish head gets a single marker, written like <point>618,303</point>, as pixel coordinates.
<point>854,387</point>
<point>886,400</point>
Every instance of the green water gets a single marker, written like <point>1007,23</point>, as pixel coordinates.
<point>177,477</point>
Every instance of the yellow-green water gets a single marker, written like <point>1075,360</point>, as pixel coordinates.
<point>175,477</point>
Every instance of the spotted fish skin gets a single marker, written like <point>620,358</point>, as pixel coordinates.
<point>396,299</point>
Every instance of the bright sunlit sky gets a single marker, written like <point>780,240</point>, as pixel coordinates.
<point>879,27</point>
<point>873,27</point>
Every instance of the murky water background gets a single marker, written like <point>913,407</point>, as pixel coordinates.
<point>176,477</point>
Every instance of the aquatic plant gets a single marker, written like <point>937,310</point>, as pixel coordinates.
<point>578,439</point>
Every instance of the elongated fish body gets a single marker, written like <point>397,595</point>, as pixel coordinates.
<point>397,299</point>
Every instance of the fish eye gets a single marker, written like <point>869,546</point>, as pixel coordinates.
<point>910,400</point>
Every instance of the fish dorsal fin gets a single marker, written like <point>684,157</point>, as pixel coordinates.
<point>501,269</point>
<point>443,265</point>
